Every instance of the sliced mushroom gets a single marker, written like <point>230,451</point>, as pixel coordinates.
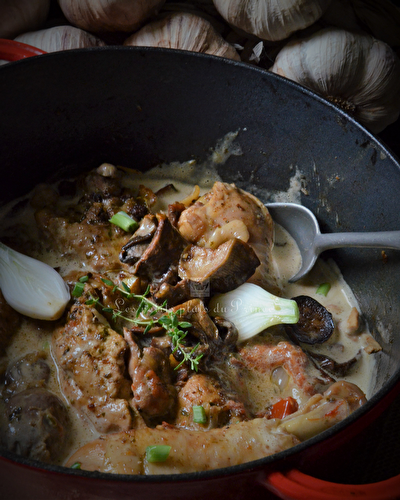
<point>315,324</point>
<point>216,337</point>
<point>137,245</point>
<point>332,366</point>
<point>225,268</point>
<point>157,250</point>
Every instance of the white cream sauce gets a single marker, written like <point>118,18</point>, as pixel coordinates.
<point>340,301</point>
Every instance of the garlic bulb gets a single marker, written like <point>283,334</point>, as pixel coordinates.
<point>354,71</point>
<point>18,16</point>
<point>271,20</point>
<point>184,31</point>
<point>60,38</point>
<point>101,16</point>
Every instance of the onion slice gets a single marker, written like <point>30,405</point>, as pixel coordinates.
<point>30,286</point>
<point>252,309</point>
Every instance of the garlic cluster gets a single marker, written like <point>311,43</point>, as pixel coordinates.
<point>183,31</point>
<point>379,19</point>
<point>352,70</point>
<point>18,16</point>
<point>60,38</point>
<point>271,20</point>
<point>101,16</point>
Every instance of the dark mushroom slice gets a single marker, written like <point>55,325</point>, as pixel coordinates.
<point>137,245</point>
<point>333,367</point>
<point>163,249</point>
<point>315,324</point>
<point>172,294</point>
<point>224,268</point>
<point>37,425</point>
<point>227,331</point>
<point>174,212</point>
<point>217,336</point>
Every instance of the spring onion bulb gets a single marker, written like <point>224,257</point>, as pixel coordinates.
<point>252,309</point>
<point>30,286</point>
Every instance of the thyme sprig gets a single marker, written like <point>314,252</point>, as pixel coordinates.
<point>153,314</point>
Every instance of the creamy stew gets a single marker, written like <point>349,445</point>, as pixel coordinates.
<point>108,387</point>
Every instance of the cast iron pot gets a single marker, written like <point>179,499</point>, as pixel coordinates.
<point>138,107</point>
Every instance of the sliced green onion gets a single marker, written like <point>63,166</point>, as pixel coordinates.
<point>157,453</point>
<point>323,289</point>
<point>76,465</point>
<point>199,415</point>
<point>83,279</point>
<point>78,289</point>
<point>124,221</point>
<point>252,309</point>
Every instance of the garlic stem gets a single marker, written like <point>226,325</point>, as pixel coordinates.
<point>252,309</point>
<point>30,286</point>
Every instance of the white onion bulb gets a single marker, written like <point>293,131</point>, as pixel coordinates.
<point>30,286</point>
<point>252,309</point>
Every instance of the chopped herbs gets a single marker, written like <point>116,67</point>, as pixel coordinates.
<point>124,221</point>
<point>76,465</point>
<point>199,415</point>
<point>157,453</point>
<point>323,289</point>
<point>78,289</point>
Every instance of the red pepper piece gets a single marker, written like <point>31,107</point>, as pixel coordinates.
<point>283,408</point>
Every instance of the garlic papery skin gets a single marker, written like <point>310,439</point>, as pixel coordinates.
<point>271,20</point>
<point>60,38</point>
<point>18,16</point>
<point>185,31</point>
<point>252,309</point>
<point>32,287</point>
<point>103,16</point>
<point>352,70</point>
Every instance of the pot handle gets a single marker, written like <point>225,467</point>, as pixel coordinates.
<point>294,485</point>
<point>10,50</point>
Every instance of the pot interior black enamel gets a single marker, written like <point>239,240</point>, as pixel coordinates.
<point>140,107</point>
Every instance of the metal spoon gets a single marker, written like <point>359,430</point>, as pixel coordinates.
<point>302,225</point>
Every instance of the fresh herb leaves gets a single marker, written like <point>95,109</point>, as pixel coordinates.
<point>149,314</point>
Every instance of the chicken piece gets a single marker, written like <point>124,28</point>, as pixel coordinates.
<point>323,411</point>
<point>220,409</point>
<point>93,240</point>
<point>90,356</point>
<point>228,212</point>
<point>153,392</point>
<point>83,230</point>
<point>268,359</point>
<point>191,451</point>
<point>9,323</point>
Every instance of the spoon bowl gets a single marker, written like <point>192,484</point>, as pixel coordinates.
<point>303,227</point>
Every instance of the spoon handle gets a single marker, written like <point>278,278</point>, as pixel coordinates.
<point>380,239</point>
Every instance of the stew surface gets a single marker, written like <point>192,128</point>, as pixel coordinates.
<point>137,376</point>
